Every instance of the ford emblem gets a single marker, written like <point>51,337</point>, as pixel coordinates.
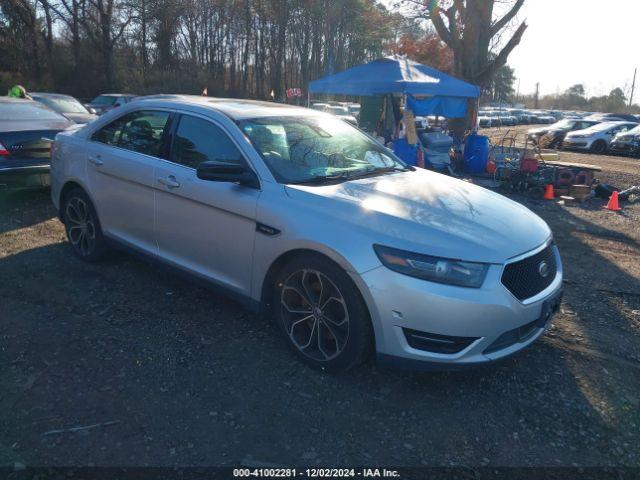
<point>543,269</point>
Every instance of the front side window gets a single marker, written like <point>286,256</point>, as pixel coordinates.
<point>313,149</point>
<point>140,131</point>
<point>198,140</point>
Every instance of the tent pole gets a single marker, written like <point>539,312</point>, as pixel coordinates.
<point>308,97</point>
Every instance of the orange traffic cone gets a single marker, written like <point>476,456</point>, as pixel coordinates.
<point>548,192</point>
<point>613,203</point>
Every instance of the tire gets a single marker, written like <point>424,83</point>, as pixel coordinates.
<point>599,147</point>
<point>321,314</point>
<point>83,227</point>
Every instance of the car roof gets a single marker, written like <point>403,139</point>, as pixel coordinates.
<point>235,108</point>
<point>47,94</point>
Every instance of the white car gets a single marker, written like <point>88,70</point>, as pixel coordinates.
<point>596,138</point>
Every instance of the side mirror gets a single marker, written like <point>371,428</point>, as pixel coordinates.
<point>214,171</point>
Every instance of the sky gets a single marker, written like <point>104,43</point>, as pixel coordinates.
<point>593,42</point>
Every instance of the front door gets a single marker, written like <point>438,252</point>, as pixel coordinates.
<point>203,226</point>
<point>121,159</point>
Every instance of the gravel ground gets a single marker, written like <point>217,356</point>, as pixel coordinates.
<point>170,374</point>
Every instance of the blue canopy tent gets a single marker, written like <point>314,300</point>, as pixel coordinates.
<point>393,75</point>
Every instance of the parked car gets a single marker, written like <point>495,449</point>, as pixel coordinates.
<point>107,101</point>
<point>554,134</point>
<point>484,121</point>
<point>66,106</point>
<point>597,137</point>
<point>613,117</point>
<point>496,119</point>
<point>343,113</point>
<point>626,143</point>
<point>521,115</point>
<point>321,107</point>
<point>354,109</point>
<point>312,222</point>
<point>27,129</point>
<point>508,120</point>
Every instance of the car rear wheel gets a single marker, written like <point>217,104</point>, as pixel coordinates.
<point>322,314</point>
<point>599,146</point>
<point>82,226</point>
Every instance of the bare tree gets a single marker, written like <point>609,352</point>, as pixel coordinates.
<point>469,28</point>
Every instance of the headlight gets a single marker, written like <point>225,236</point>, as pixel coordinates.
<point>577,136</point>
<point>434,269</point>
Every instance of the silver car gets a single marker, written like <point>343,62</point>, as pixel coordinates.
<point>310,221</point>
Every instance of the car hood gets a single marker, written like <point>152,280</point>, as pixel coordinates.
<point>429,213</point>
<point>81,117</point>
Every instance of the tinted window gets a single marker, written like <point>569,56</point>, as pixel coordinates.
<point>197,140</point>
<point>104,100</point>
<point>137,131</point>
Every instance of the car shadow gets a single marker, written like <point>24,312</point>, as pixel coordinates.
<point>24,208</point>
<point>171,361</point>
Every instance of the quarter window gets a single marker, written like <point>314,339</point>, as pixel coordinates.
<point>140,131</point>
<point>198,140</point>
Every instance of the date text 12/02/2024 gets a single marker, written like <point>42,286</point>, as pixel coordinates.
<point>315,473</point>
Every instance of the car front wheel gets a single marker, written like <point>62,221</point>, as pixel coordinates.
<point>322,314</point>
<point>599,147</point>
<point>82,226</point>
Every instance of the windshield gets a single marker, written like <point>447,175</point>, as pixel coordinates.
<point>564,124</point>
<point>316,149</point>
<point>27,110</point>
<point>104,100</point>
<point>63,104</point>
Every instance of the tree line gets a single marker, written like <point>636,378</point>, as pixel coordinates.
<point>240,48</point>
<point>576,98</point>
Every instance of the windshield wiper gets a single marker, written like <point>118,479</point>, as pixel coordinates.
<point>350,175</point>
<point>323,179</point>
<point>381,170</point>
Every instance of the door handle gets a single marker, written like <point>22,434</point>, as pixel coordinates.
<point>169,182</point>
<point>97,161</point>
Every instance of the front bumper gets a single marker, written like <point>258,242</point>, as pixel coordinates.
<point>495,323</point>
<point>577,143</point>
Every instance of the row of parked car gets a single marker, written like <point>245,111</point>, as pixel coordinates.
<point>596,133</point>
<point>511,117</point>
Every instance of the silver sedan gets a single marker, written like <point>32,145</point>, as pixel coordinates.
<point>308,220</point>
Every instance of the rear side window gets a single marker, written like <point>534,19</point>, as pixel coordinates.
<point>140,131</point>
<point>198,140</point>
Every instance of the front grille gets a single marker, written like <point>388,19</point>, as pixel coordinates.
<point>432,342</point>
<point>523,278</point>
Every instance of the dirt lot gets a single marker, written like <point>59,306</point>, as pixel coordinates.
<point>175,375</point>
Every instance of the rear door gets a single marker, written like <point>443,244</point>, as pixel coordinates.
<point>202,226</point>
<point>121,159</point>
